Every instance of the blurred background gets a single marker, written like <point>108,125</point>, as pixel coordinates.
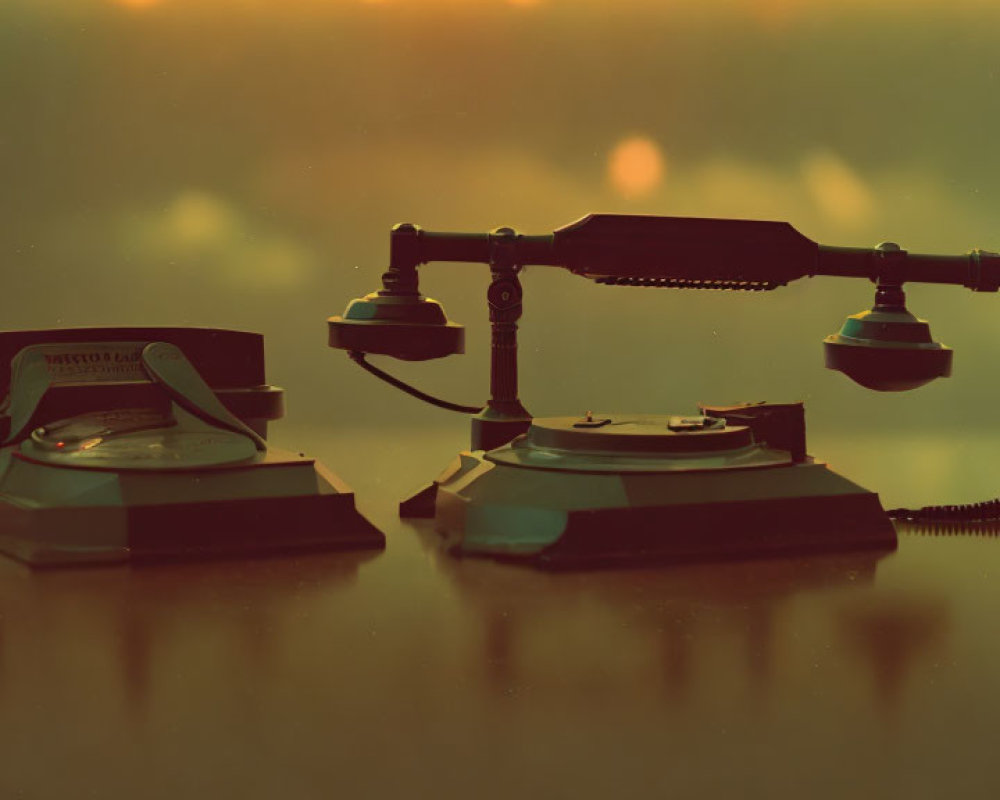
<point>239,163</point>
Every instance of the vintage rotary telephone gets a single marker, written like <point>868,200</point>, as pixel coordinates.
<point>885,348</point>
<point>121,444</point>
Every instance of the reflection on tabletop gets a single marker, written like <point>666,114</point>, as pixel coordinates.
<point>743,607</point>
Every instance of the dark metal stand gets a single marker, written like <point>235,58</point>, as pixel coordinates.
<point>504,417</point>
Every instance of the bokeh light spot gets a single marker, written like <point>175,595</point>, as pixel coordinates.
<point>138,3</point>
<point>203,234</point>
<point>837,190</point>
<point>635,167</point>
<point>195,219</point>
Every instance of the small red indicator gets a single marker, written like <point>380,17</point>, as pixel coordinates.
<point>60,444</point>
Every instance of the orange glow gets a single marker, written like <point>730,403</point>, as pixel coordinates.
<point>838,191</point>
<point>777,14</point>
<point>520,3</point>
<point>635,167</point>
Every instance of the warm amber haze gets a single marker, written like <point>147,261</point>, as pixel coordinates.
<point>238,164</point>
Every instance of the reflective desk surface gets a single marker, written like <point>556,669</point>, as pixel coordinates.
<point>411,673</point>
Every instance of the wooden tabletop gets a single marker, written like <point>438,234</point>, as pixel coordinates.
<point>412,673</point>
